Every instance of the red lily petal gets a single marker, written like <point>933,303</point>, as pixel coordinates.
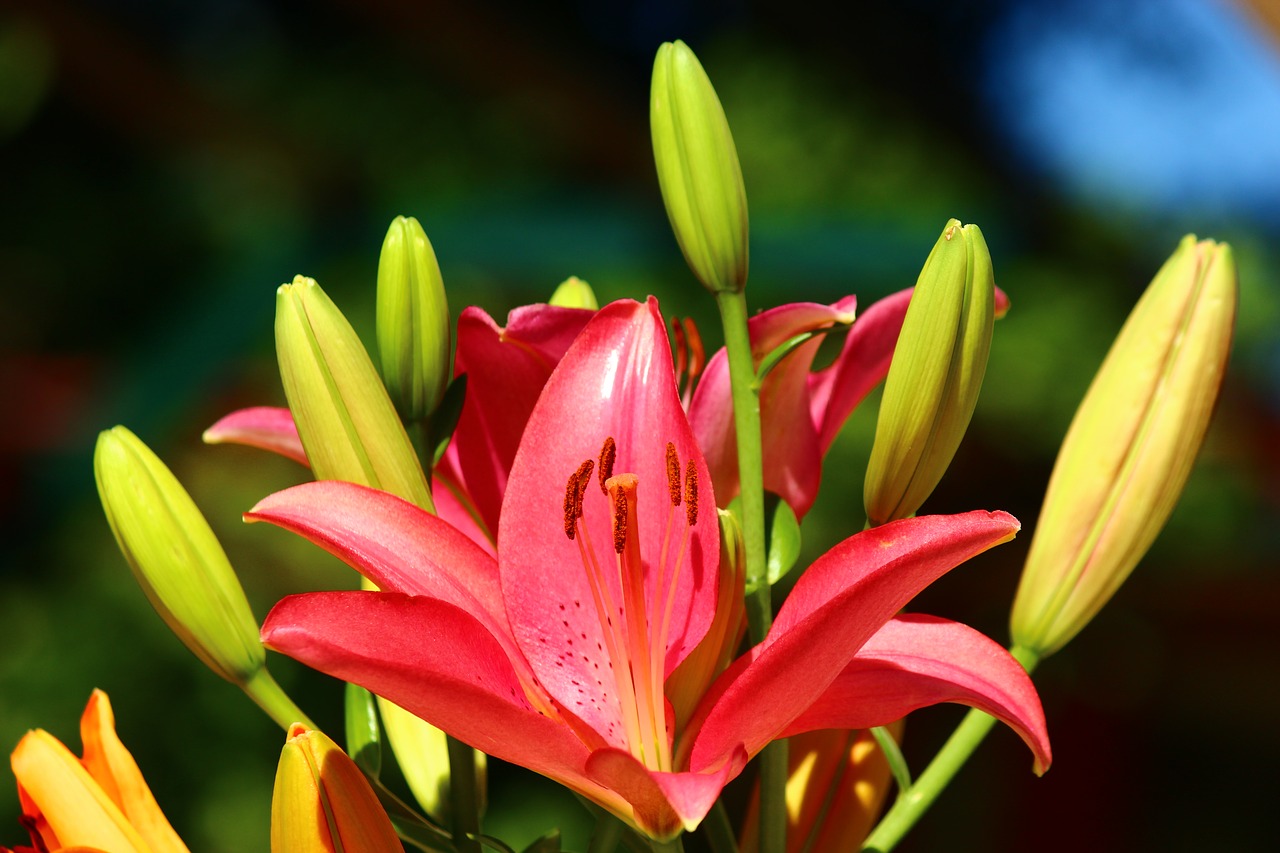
<point>617,380</point>
<point>265,427</point>
<point>792,458</point>
<point>506,369</point>
<point>837,605</point>
<point>863,363</point>
<point>917,660</point>
<point>452,508</point>
<point>663,803</point>
<point>393,543</point>
<point>436,661</point>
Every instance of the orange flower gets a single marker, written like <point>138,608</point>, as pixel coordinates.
<point>837,781</point>
<point>100,802</point>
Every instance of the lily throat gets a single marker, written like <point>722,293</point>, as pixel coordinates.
<point>634,592</point>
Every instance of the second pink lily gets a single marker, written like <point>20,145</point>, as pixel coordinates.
<point>557,654</point>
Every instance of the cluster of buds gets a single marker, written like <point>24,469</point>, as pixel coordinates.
<point>1123,464</point>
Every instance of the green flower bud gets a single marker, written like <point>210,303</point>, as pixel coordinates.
<point>414,332</point>
<point>935,375</point>
<point>1130,446</point>
<point>573,292</point>
<point>175,556</point>
<point>698,170</point>
<point>345,419</point>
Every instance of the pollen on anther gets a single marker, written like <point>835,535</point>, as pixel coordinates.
<point>619,521</point>
<point>571,506</point>
<point>691,493</point>
<point>584,477</point>
<point>673,474</point>
<point>608,455</point>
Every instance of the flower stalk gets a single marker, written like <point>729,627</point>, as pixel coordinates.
<point>759,604</point>
<point>911,804</point>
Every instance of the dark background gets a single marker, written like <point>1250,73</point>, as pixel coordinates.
<point>165,165</point>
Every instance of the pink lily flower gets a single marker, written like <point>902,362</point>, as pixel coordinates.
<point>801,412</point>
<point>556,654</point>
<point>506,368</point>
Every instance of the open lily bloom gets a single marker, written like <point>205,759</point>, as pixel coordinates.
<point>100,802</point>
<point>555,655</point>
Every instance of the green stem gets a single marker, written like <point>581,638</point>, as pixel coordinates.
<point>270,697</point>
<point>464,804</point>
<point>912,804</point>
<point>606,835</point>
<point>718,830</point>
<point>412,827</point>
<point>675,845</point>
<point>759,605</point>
<point>893,755</point>
<point>746,421</point>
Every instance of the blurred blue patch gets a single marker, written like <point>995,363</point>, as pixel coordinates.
<point>1156,106</point>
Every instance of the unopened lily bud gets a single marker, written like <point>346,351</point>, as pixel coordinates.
<point>698,169</point>
<point>322,802</point>
<point>345,419</point>
<point>1130,446</point>
<point>175,557</point>
<point>415,338</point>
<point>573,292</point>
<point>934,378</point>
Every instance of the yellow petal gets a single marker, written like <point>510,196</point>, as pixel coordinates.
<point>68,808</point>
<point>322,802</point>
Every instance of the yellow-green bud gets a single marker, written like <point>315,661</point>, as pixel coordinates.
<point>345,419</point>
<point>935,375</point>
<point>573,292</point>
<point>423,753</point>
<point>1130,446</point>
<point>175,556</point>
<point>414,332</point>
<point>351,431</point>
<point>698,169</point>
<point>322,801</point>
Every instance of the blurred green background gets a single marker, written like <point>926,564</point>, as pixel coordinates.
<point>165,165</point>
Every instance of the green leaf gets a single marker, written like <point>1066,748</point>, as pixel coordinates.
<point>445,419</point>
<point>364,734</point>
<point>770,361</point>
<point>783,538</point>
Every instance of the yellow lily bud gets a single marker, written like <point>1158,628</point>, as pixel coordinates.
<point>423,751</point>
<point>322,802</point>
<point>351,431</point>
<point>415,339</point>
<point>935,375</point>
<point>98,802</point>
<point>836,783</point>
<point>345,419</point>
<point>175,557</point>
<point>1130,446</point>
<point>573,292</point>
<point>698,169</point>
